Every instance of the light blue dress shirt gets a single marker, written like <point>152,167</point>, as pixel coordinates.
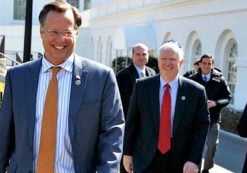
<point>173,91</point>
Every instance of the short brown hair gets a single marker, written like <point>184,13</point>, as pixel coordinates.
<point>60,7</point>
<point>207,55</point>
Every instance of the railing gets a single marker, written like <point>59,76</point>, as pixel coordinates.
<point>14,62</point>
<point>3,71</point>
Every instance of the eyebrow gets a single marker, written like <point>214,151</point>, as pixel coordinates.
<point>141,53</point>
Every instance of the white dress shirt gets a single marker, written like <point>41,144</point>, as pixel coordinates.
<point>141,72</point>
<point>63,157</point>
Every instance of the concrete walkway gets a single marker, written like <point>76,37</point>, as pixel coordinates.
<point>230,154</point>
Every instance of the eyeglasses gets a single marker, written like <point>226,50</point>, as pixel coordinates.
<point>54,33</point>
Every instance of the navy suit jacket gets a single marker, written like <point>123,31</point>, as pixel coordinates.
<point>190,123</point>
<point>96,118</point>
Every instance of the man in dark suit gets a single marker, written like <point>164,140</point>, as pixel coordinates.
<point>90,119</point>
<point>242,130</point>
<point>219,96</point>
<point>127,77</point>
<point>188,120</point>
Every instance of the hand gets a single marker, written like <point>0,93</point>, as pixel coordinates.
<point>190,167</point>
<point>211,104</point>
<point>128,163</point>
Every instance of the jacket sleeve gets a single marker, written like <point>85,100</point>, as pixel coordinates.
<point>110,139</point>
<point>131,123</point>
<point>225,94</point>
<point>124,84</point>
<point>6,126</point>
<point>242,125</point>
<point>200,129</point>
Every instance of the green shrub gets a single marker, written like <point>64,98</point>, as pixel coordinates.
<point>230,119</point>
<point>120,62</point>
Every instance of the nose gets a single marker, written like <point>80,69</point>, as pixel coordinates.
<point>60,37</point>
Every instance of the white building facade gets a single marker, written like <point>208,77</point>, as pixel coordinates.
<point>113,26</point>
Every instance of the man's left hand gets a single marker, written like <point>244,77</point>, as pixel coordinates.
<point>190,167</point>
<point>211,104</point>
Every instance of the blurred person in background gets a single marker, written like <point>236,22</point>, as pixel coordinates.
<point>219,96</point>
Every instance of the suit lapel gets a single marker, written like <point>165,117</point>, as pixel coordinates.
<point>148,72</point>
<point>133,72</point>
<point>79,79</point>
<point>30,90</point>
<point>179,105</point>
<point>155,105</point>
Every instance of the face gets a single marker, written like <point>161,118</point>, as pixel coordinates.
<point>169,64</point>
<point>206,65</point>
<point>58,36</point>
<point>195,67</point>
<point>140,56</point>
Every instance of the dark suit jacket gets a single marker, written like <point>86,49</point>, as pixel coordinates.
<point>126,79</point>
<point>190,123</point>
<point>242,130</point>
<point>96,118</point>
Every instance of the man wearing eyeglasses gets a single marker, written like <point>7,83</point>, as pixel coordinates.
<point>61,113</point>
<point>219,96</point>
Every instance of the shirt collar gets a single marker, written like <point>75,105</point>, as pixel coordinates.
<point>207,76</point>
<point>66,65</point>
<point>139,70</point>
<point>172,84</point>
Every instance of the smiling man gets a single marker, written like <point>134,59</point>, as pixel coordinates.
<point>127,77</point>
<point>167,120</point>
<point>219,96</point>
<point>61,113</point>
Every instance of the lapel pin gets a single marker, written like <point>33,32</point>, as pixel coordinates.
<point>78,80</point>
<point>183,97</point>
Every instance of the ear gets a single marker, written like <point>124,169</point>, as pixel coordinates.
<point>76,34</point>
<point>200,64</point>
<point>181,62</point>
<point>40,32</point>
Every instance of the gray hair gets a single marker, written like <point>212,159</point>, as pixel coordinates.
<point>174,46</point>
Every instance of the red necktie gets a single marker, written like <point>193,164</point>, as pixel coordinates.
<point>46,159</point>
<point>164,140</point>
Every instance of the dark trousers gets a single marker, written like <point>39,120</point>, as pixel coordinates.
<point>161,163</point>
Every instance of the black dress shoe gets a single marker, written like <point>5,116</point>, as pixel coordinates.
<point>205,171</point>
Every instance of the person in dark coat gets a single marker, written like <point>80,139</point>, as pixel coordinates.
<point>126,78</point>
<point>193,70</point>
<point>218,95</point>
<point>145,149</point>
<point>242,130</point>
